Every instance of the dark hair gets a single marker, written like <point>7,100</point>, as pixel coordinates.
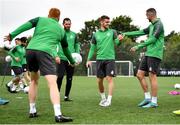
<point>17,39</point>
<point>103,17</point>
<point>152,10</point>
<point>66,19</point>
<point>23,39</point>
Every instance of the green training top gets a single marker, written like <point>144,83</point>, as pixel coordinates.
<point>17,51</point>
<point>103,42</point>
<point>155,41</point>
<point>47,34</point>
<point>24,57</point>
<point>73,45</point>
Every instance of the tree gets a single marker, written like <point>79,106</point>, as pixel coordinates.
<point>172,51</point>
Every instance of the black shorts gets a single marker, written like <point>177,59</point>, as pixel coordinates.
<point>38,60</point>
<point>64,67</point>
<point>150,64</point>
<point>105,68</point>
<point>24,67</point>
<point>17,70</point>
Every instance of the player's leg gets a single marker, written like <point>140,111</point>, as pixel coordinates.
<point>69,78</point>
<point>110,73</point>
<point>153,67</point>
<point>33,67</point>
<point>23,82</point>
<point>54,93</point>
<point>60,74</point>
<point>10,82</point>
<point>100,77</point>
<point>101,91</point>
<point>26,74</point>
<point>143,68</point>
<point>110,90</point>
<point>47,68</point>
<point>33,93</point>
<point>12,85</point>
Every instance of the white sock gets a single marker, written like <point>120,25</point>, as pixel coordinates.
<point>10,83</point>
<point>109,98</point>
<point>32,108</point>
<point>103,96</point>
<point>154,99</point>
<point>57,109</point>
<point>147,95</point>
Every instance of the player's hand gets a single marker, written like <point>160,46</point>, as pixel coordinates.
<point>77,63</point>
<point>58,60</point>
<point>88,64</point>
<point>120,37</point>
<point>133,49</point>
<point>17,59</point>
<point>7,38</point>
<point>73,65</point>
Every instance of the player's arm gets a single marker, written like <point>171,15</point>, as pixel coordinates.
<point>66,51</point>
<point>158,29</point>
<point>137,33</point>
<point>92,48</point>
<point>116,39</point>
<point>77,45</point>
<point>11,53</point>
<point>26,26</point>
<point>55,55</point>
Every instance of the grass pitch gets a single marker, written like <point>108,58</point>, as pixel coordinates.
<point>84,108</point>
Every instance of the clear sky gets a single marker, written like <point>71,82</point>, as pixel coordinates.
<point>16,12</point>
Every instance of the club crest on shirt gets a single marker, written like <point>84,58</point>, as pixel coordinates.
<point>71,37</point>
<point>108,34</point>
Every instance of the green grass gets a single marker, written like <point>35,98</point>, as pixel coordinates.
<point>85,109</point>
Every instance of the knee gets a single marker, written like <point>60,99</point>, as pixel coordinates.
<point>109,79</point>
<point>34,79</point>
<point>139,76</point>
<point>100,81</point>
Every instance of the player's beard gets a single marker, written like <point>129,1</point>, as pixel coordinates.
<point>106,26</point>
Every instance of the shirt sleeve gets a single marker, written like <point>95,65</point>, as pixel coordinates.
<point>12,51</point>
<point>66,51</point>
<point>24,27</point>
<point>158,29</point>
<point>92,48</point>
<point>116,40</point>
<point>135,33</point>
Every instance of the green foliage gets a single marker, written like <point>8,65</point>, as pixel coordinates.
<point>172,51</point>
<point>123,24</point>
